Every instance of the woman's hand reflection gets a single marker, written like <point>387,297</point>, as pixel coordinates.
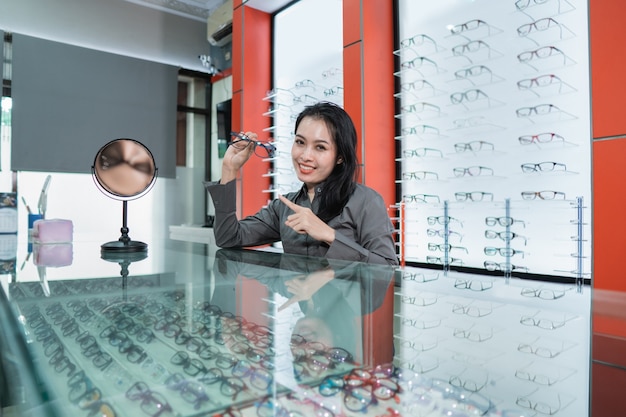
<point>305,286</point>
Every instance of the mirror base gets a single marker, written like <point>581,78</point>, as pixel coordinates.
<point>118,246</point>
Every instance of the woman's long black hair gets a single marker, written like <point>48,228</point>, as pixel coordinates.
<point>340,184</point>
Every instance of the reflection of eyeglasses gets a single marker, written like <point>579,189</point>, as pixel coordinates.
<point>540,379</point>
<point>191,366</point>
<point>333,91</point>
<point>544,195</point>
<point>473,285</point>
<point>420,198</point>
<point>261,149</point>
<point>331,72</point>
<point>536,110</point>
<point>422,301</point>
<point>538,350</point>
<point>470,25</point>
<point>472,46</point>
<point>473,335</point>
<point>305,83</point>
<point>421,152</point>
<point>459,399</point>
<point>473,171</point>
<point>539,406</point>
<point>495,266</point>
<point>420,175</point>
<point>502,221</point>
<point>541,53</point>
<point>538,25</point>
<point>152,403</point>
<point>473,146</point>
<point>191,391</point>
<point>491,251</point>
<point>474,71</point>
<point>543,293</point>
<point>543,323</point>
<point>541,81</point>
<point>418,40</point>
<point>418,63</point>
<point>440,261</point>
<point>442,233</point>
<point>430,322</point>
<point>420,129</point>
<point>443,248</point>
<point>522,4</point>
<point>305,99</point>
<point>433,220</point>
<point>420,107</point>
<point>540,138</point>
<point>492,234</point>
<point>473,196</point>
<point>467,384</point>
<point>416,85</point>
<point>543,166</point>
<point>472,310</point>
<point>470,95</point>
<point>419,276</point>
<point>470,122</point>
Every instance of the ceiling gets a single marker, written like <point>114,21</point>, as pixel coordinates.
<point>202,9</point>
<point>193,9</point>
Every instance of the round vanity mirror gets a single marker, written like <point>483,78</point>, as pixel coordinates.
<point>124,169</point>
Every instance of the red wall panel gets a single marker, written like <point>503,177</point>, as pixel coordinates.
<point>606,25</point>
<point>251,81</point>
<point>351,21</point>
<point>378,100</point>
<point>609,203</point>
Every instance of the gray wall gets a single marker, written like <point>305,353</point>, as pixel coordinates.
<point>123,28</point>
<point>115,26</point>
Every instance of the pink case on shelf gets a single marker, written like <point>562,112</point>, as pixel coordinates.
<point>53,231</point>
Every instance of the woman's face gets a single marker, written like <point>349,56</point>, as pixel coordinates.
<point>314,152</point>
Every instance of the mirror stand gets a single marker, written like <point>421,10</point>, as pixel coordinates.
<point>124,169</point>
<point>124,260</point>
<point>124,244</point>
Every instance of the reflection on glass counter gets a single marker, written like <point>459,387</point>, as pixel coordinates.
<point>255,333</point>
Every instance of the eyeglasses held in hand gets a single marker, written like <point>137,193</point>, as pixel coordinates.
<point>261,149</point>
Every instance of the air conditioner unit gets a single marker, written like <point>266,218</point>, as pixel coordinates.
<point>220,24</point>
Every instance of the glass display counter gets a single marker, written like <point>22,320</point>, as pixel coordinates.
<point>194,331</point>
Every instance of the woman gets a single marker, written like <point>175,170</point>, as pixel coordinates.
<point>330,216</point>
